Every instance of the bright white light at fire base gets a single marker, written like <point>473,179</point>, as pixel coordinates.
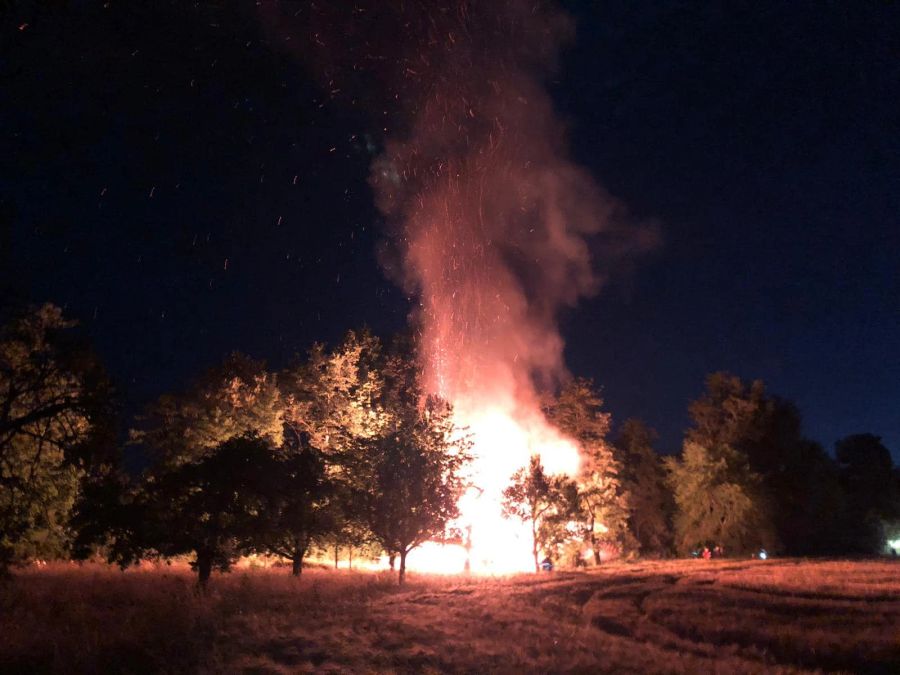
<point>503,442</point>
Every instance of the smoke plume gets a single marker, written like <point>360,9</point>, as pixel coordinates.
<point>491,226</point>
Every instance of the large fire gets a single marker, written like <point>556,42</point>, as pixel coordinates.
<point>503,441</point>
<point>490,223</point>
<point>491,227</point>
<point>501,444</point>
<point>506,427</point>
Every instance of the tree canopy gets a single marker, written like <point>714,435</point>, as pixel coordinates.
<point>718,499</point>
<point>216,508</point>
<point>644,479</point>
<point>866,473</point>
<point>796,478</point>
<point>56,412</point>
<point>545,503</point>
<point>239,397</point>
<point>603,501</point>
<point>344,448</point>
<point>410,477</point>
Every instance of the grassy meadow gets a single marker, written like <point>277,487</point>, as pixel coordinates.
<point>693,616</point>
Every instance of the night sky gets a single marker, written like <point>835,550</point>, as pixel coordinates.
<point>175,178</point>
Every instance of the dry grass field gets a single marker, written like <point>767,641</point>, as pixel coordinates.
<point>687,616</point>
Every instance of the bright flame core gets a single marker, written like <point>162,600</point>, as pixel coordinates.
<point>503,444</point>
<point>503,440</point>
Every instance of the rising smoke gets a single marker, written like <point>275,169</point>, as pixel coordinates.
<point>491,226</point>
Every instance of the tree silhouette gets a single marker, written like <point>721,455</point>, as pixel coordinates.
<point>866,472</point>
<point>798,479</point>
<point>217,508</point>
<point>56,424</point>
<point>718,499</point>
<point>413,479</point>
<point>541,501</point>
<point>301,501</point>
<point>644,479</point>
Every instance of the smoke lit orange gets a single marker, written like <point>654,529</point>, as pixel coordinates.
<point>492,227</point>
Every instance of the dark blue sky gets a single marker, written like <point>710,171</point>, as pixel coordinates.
<point>185,189</point>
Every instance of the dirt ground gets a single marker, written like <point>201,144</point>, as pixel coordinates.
<point>693,616</point>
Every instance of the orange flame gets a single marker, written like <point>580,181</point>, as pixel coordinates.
<point>505,434</point>
<point>502,443</point>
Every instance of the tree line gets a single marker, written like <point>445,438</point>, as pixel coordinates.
<point>344,449</point>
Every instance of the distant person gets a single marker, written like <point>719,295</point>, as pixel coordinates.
<point>547,564</point>
<point>707,554</point>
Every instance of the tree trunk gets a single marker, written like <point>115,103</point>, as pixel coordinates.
<point>468,565</point>
<point>337,553</point>
<point>594,547</point>
<point>297,561</point>
<point>391,560</point>
<point>534,547</point>
<point>204,568</point>
<point>402,576</point>
<point>350,558</point>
